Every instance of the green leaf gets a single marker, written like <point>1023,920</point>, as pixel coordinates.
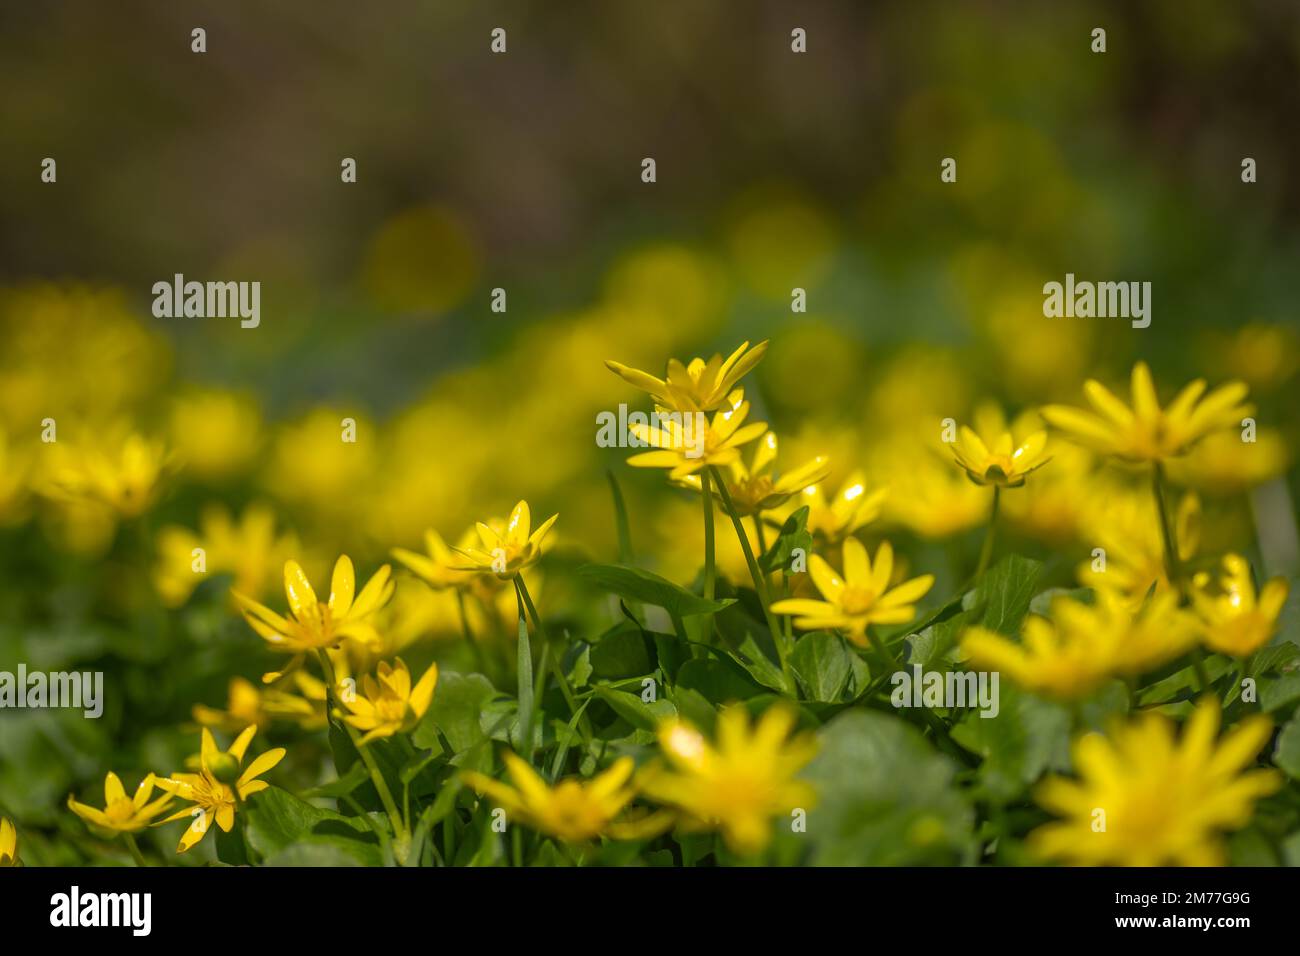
<point>1002,598</point>
<point>620,652</point>
<point>885,797</point>
<point>718,681</point>
<point>637,585</point>
<point>277,820</point>
<point>523,739</point>
<point>793,534</point>
<point>1026,737</point>
<point>822,663</point>
<point>620,520</point>
<point>749,644</point>
<point>936,647</point>
<point>638,713</point>
<point>344,785</point>
<point>457,704</point>
<point>1287,753</point>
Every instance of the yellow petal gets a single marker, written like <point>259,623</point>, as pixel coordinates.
<point>113,790</point>
<point>302,599</point>
<point>342,587</point>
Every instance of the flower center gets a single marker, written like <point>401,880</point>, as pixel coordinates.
<point>390,709</point>
<point>120,810</point>
<point>856,600</point>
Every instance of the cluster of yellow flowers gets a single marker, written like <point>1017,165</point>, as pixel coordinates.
<point>1144,610</point>
<point>1127,629</point>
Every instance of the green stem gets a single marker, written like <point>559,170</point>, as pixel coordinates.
<point>1168,533</point>
<point>762,535</point>
<point>135,849</point>
<point>479,658</point>
<point>377,778</point>
<point>1173,563</point>
<point>986,552</point>
<point>706,486</point>
<point>760,584</point>
<point>563,681</point>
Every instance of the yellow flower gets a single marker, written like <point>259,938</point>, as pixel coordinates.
<point>1146,432</point>
<point>250,704</point>
<point>753,490</point>
<point>1084,645</point>
<point>1235,620</point>
<point>686,445</point>
<point>249,550</point>
<point>8,843</point>
<point>1126,527</point>
<point>1223,464</point>
<point>123,474</point>
<point>991,454</point>
<point>699,386</point>
<point>861,598</point>
<point>390,705</point>
<point>574,810</point>
<point>220,786</point>
<point>216,434</point>
<point>123,814</point>
<point>507,551</point>
<point>1164,800</point>
<point>440,566</point>
<point>834,519</point>
<point>926,495</point>
<point>1053,505</point>
<point>742,782</point>
<point>315,625</point>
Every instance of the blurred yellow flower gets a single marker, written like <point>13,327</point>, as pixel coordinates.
<point>311,464</point>
<point>1146,798</point>
<point>1234,619</point>
<point>686,445</point>
<point>440,566</point>
<point>1265,355</point>
<point>836,518</point>
<point>575,811</point>
<point>1124,525</point>
<point>74,352</point>
<point>8,843</point>
<point>249,704</point>
<point>388,704</point>
<point>122,473</point>
<point>123,814</point>
<point>1146,432</point>
<point>927,495</point>
<point>1053,507</point>
<point>249,550</point>
<point>861,598</point>
<point>315,625</point>
<point>739,784</point>
<point>215,434</point>
<point>220,786</point>
<point>507,551</point>
<point>992,454</point>
<point>1084,645</point>
<point>699,386</point>
<point>1223,464</point>
<point>754,490</point>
